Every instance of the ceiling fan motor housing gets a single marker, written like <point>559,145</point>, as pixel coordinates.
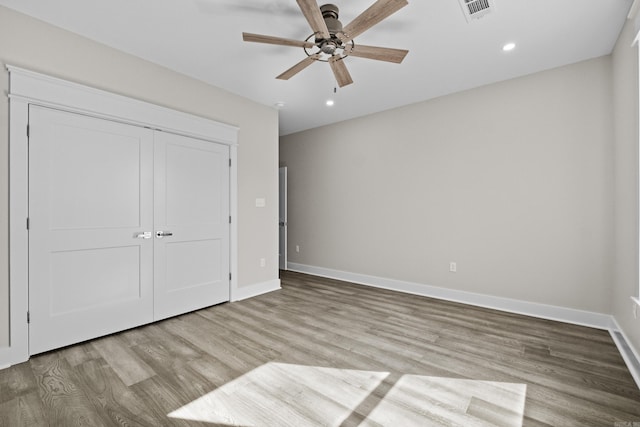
<point>330,14</point>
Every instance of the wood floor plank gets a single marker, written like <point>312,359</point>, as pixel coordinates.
<point>161,399</point>
<point>63,401</point>
<point>494,414</point>
<point>16,382</point>
<point>214,371</point>
<point>26,410</point>
<point>112,399</point>
<point>191,327</point>
<point>122,359</point>
<point>80,353</point>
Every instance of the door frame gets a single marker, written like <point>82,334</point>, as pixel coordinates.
<point>283,258</point>
<point>32,88</point>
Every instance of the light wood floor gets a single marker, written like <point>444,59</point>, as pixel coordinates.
<point>324,352</point>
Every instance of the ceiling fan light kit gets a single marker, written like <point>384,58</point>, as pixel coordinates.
<point>331,42</point>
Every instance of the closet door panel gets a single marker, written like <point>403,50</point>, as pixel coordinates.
<point>192,208</point>
<point>90,195</point>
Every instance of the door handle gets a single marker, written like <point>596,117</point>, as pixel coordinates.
<point>143,235</point>
<point>160,234</point>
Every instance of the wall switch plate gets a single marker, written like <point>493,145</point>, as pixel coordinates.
<point>263,262</point>
<point>297,248</point>
<point>453,267</point>
<point>261,202</point>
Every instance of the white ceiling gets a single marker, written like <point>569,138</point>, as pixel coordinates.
<point>203,39</point>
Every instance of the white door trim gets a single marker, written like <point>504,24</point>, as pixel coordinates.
<point>283,217</point>
<point>28,87</point>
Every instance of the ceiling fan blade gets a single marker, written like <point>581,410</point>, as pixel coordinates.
<point>312,12</point>
<point>259,38</point>
<point>298,67</point>
<point>340,71</point>
<point>378,11</point>
<point>378,53</point>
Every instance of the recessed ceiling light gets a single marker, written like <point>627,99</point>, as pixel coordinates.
<point>279,104</point>
<point>509,47</point>
<point>329,102</point>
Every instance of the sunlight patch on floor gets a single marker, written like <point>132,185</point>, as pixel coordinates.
<point>284,394</point>
<point>297,395</point>
<point>422,400</point>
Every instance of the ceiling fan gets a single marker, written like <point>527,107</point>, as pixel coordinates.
<point>331,42</point>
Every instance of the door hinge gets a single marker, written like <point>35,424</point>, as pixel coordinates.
<point>229,219</point>
<point>28,317</point>
<point>27,223</point>
<point>229,162</point>
<point>27,131</point>
<point>229,276</point>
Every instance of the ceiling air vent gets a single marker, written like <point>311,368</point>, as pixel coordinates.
<point>476,9</point>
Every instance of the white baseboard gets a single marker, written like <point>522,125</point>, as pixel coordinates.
<point>6,359</point>
<point>629,354</point>
<point>550,312</point>
<point>254,290</point>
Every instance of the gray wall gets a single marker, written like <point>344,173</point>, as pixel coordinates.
<point>626,115</point>
<point>32,44</point>
<point>513,181</point>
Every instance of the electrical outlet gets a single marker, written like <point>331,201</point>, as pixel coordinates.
<point>453,267</point>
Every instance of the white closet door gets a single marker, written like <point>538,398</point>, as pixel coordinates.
<point>191,265</point>
<point>90,195</point>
